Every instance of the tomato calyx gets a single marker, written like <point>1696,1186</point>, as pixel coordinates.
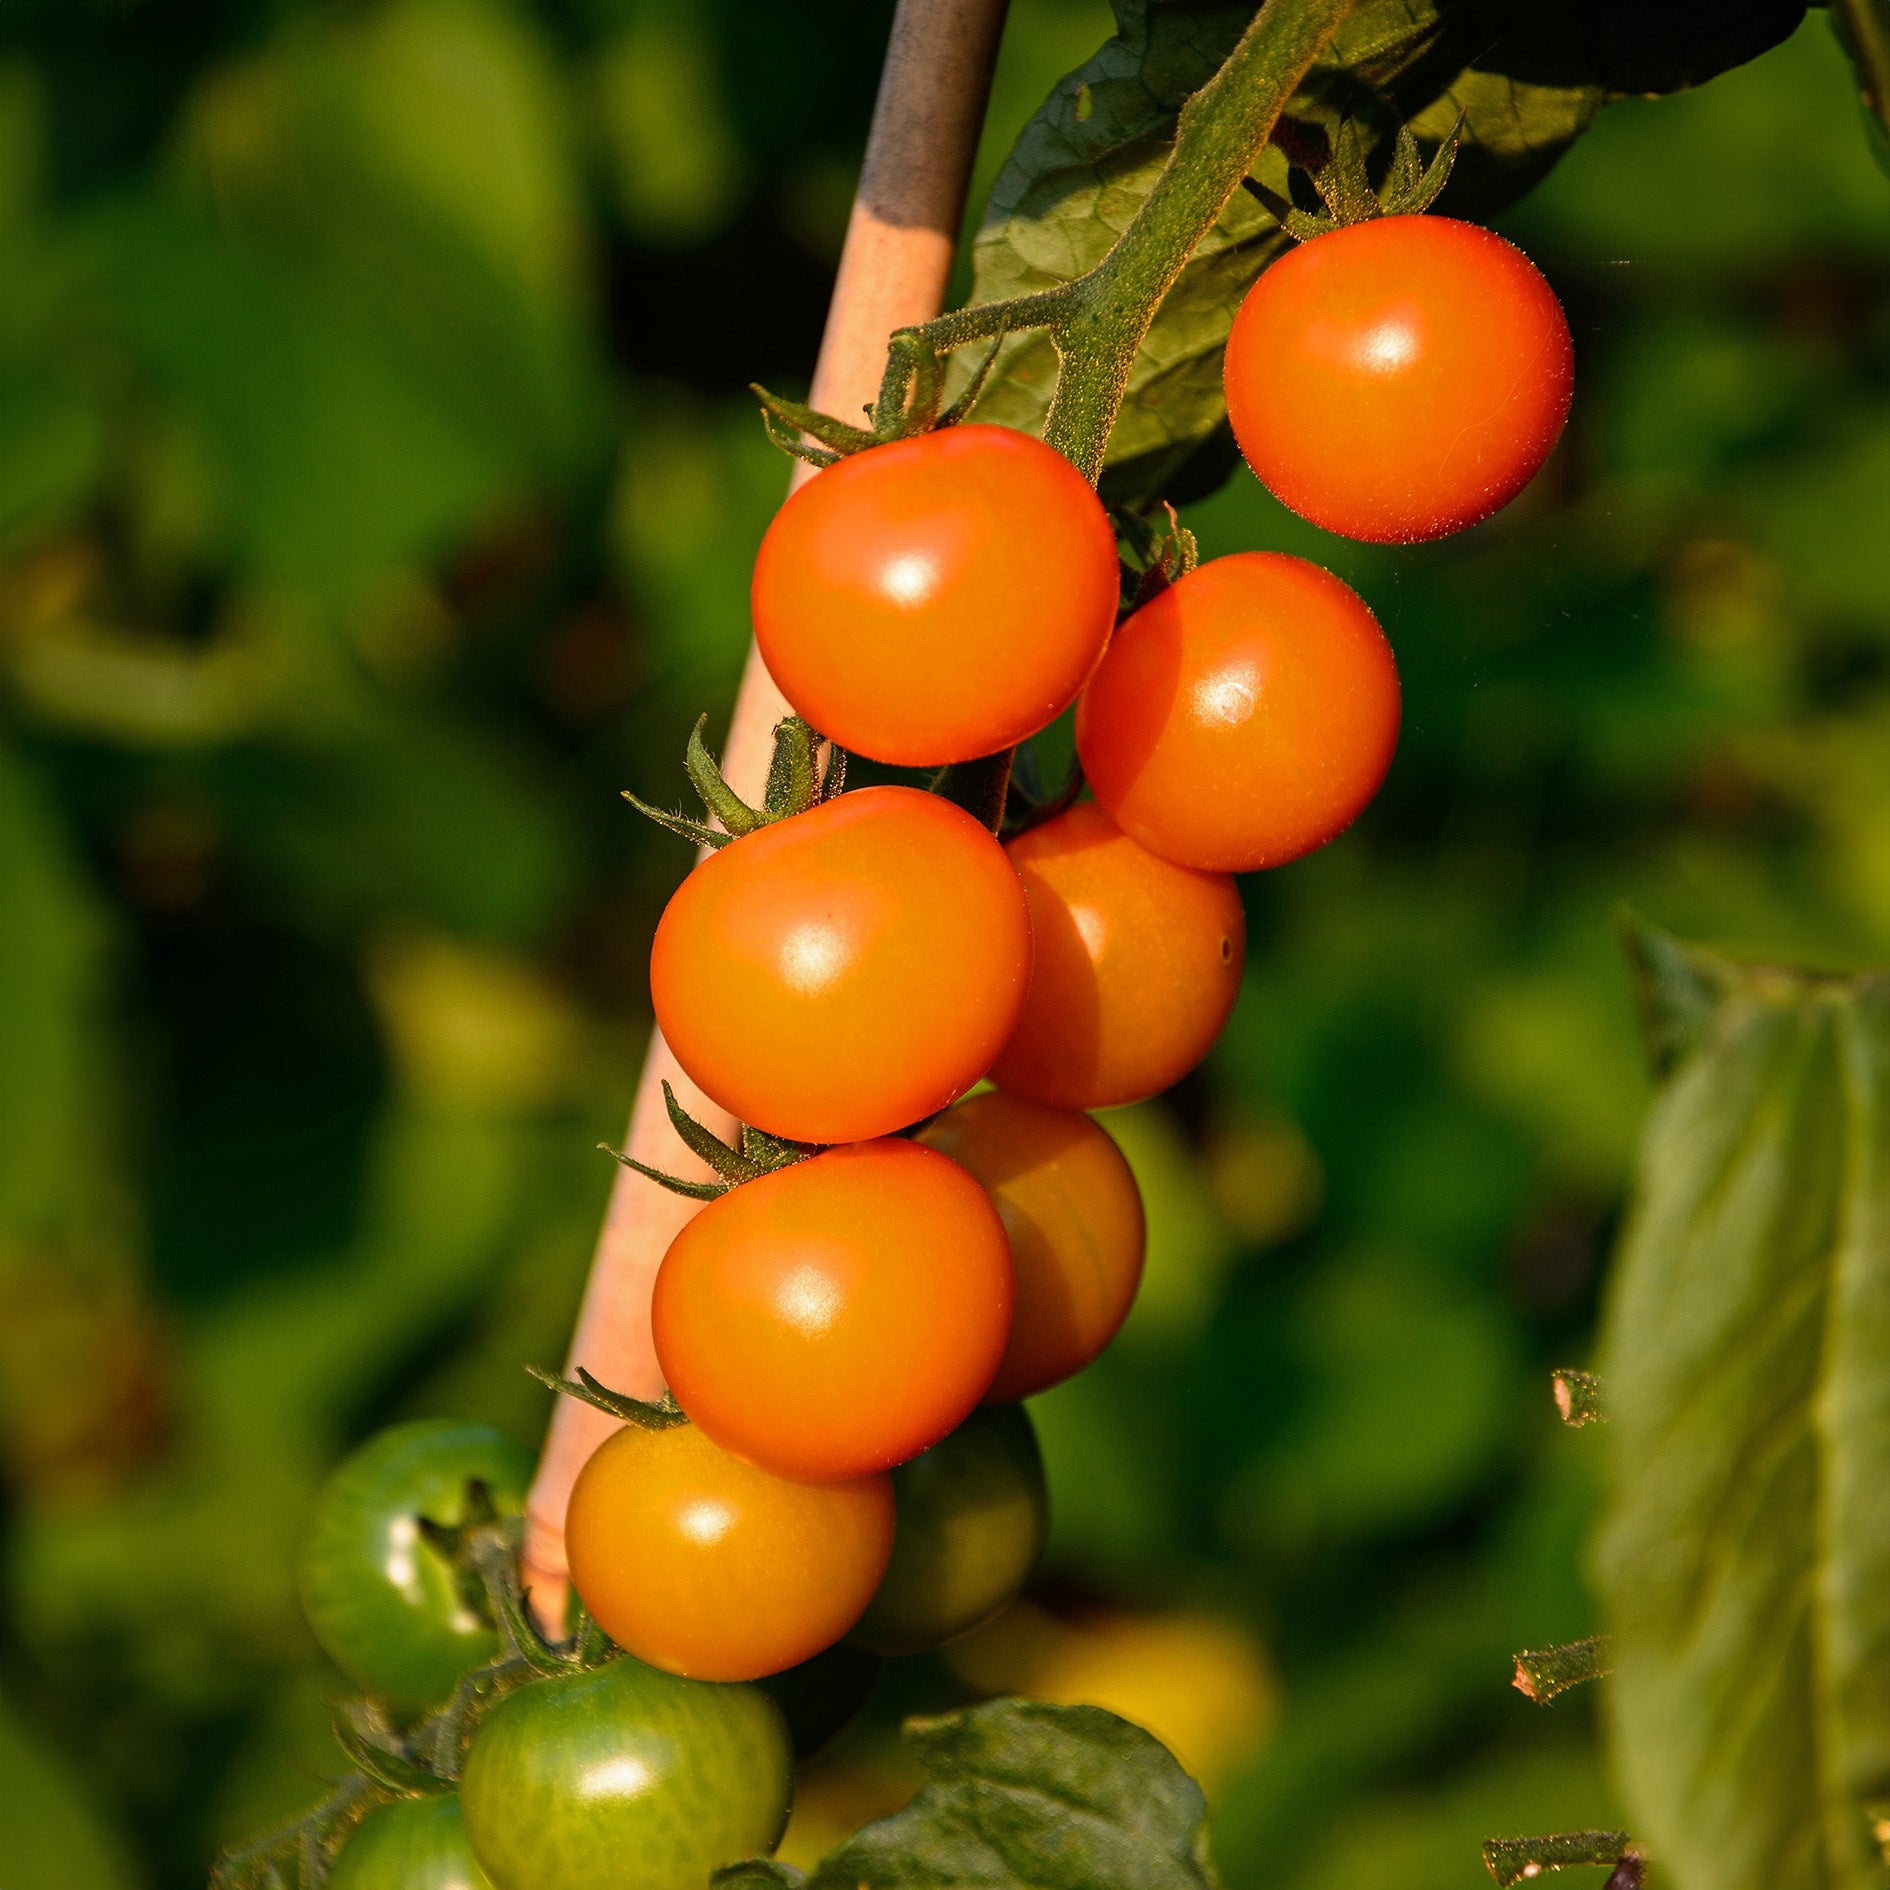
<point>911,397</point>
<point>758,1154</point>
<point>389,1761</point>
<point>647,1414</point>
<point>1339,178</point>
<point>798,779</point>
<point>1159,555</point>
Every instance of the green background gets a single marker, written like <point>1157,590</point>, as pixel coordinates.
<point>377,492</point>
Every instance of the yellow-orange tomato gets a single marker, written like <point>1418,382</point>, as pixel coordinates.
<point>1074,1217</point>
<point>1399,379</point>
<point>839,1316</point>
<point>938,598</point>
<point>1243,716</point>
<point>840,974</point>
<point>704,1565</point>
<point>1137,965</point>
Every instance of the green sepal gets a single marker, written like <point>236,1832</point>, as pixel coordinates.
<point>1344,185</point>
<point>662,1414</point>
<point>1678,988</point>
<point>696,832</point>
<point>758,1873</point>
<point>910,389</point>
<point>390,1769</point>
<point>717,796</point>
<point>789,440</point>
<point>731,1164</point>
<point>1518,1860</point>
<point>833,777</point>
<point>954,414</point>
<point>1542,1673</point>
<point>676,1184</point>
<point>769,1152</point>
<point>833,434</point>
<point>793,784</point>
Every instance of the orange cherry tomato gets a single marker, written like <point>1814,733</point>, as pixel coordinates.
<point>1243,716</point>
<point>1399,379</point>
<point>845,972</point>
<point>1074,1217</point>
<point>839,1316</point>
<point>704,1565</point>
<point>1137,965</point>
<point>938,598</point>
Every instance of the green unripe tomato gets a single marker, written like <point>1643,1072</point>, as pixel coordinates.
<point>412,1844</point>
<point>972,1514</point>
<point>625,1778</point>
<point>384,1603</point>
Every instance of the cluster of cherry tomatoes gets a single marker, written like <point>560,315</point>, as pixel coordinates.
<point>849,1333</point>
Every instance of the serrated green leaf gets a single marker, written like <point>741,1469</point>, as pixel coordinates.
<point>1745,1556</point>
<point>1528,81</point>
<point>1024,1796</point>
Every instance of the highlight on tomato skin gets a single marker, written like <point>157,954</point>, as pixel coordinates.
<point>937,598</point>
<point>840,974</point>
<point>1399,379</point>
<point>1244,716</point>
<point>706,1566</point>
<point>1073,1213</point>
<point>1137,965</point>
<point>839,1316</point>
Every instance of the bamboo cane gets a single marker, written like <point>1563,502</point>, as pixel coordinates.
<point>893,270</point>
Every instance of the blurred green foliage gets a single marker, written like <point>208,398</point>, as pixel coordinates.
<point>377,494</point>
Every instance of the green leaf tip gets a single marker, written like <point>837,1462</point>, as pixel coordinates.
<point>1679,989</point>
<point>1521,1860</point>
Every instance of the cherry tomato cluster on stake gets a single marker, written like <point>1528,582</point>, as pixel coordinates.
<point>888,1259</point>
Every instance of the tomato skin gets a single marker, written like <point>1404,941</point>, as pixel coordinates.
<point>384,1604</point>
<point>1243,716</point>
<point>624,1778</point>
<point>705,1566</point>
<point>938,598</point>
<point>840,974</point>
<point>1074,1216</point>
<point>1399,379</point>
<point>411,1844</point>
<point>1137,965</point>
<point>973,1515</point>
<point>840,1316</point>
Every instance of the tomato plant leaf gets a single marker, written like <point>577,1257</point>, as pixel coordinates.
<point>1527,81</point>
<point>1025,1796</point>
<point>1745,1554</point>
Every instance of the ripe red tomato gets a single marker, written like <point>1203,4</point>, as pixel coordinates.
<point>1137,965</point>
<point>938,598</point>
<point>1399,379</point>
<point>704,1565</point>
<point>839,1316</point>
<point>843,973</point>
<point>621,1778</point>
<point>1074,1217</point>
<point>1243,716</point>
